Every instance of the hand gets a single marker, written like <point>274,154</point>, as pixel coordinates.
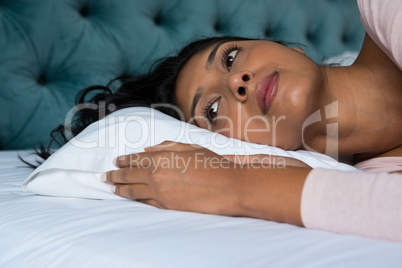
<point>192,178</point>
<point>178,176</point>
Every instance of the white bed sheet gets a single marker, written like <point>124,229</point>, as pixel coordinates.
<point>42,231</point>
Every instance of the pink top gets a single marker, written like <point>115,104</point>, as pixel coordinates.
<point>383,20</point>
<point>367,204</point>
<point>381,164</point>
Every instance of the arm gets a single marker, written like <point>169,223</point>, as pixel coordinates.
<point>273,194</point>
<point>382,21</point>
<point>367,204</point>
<point>182,177</point>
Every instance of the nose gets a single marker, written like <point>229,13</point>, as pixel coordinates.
<point>239,84</point>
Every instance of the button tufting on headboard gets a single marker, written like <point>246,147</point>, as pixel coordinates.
<point>158,19</point>
<point>310,36</point>
<point>41,80</point>
<point>268,33</point>
<point>217,27</point>
<point>84,11</point>
<point>52,45</point>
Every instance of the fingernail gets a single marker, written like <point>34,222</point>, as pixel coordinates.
<point>114,161</point>
<point>113,188</point>
<point>103,177</point>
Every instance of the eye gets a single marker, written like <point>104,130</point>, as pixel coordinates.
<point>211,110</point>
<point>229,56</point>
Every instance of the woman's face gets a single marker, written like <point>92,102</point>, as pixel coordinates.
<point>256,91</point>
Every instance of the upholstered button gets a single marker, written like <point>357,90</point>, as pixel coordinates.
<point>217,27</point>
<point>310,36</point>
<point>345,38</point>
<point>158,19</point>
<point>84,11</point>
<point>41,80</point>
<point>268,32</point>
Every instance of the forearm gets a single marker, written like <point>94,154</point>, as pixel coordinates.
<point>272,194</point>
<point>367,204</point>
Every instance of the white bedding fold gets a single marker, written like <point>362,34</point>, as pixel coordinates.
<point>43,231</point>
<point>75,169</point>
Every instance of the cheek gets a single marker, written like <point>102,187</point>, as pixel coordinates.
<point>240,123</point>
<point>298,94</point>
<point>291,112</point>
<point>271,130</point>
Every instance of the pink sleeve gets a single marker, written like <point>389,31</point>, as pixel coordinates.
<point>383,22</point>
<point>366,204</point>
<point>381,164</point>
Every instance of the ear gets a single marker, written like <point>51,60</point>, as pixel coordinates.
<point>299,50</point>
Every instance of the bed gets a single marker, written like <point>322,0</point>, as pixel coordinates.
<point>42,231</point>
<point>52,49</point>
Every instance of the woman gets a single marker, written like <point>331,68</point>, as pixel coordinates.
<point>232,85</point>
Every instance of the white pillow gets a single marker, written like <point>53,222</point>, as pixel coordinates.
<point>74,170</point>
<point>347,58</point>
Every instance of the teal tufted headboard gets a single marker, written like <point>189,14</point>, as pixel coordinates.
<point>51,49</point>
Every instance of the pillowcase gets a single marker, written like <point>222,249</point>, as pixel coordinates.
<point>75,169</point>
<point>347,58</point>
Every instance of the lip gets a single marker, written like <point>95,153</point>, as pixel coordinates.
<point>266,91</point>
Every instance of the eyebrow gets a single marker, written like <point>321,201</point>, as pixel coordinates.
<point>200,90</point>
<point>212,55</point>
<point>196,99</point>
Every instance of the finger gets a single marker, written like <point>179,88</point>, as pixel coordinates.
<point>272,160</point>
<point>151,202</point>
<point>231,157</point>
<point>138,160</point>
<point>241,159</point>
<point>127,175</point>
<point>173,146</point>
<point>133,191</point>
<point>163,146</point>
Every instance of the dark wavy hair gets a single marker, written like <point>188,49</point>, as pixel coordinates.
<point>155,87</point>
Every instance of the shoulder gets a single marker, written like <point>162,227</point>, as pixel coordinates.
<point>383,21</point>
<point>383,12</point>
<point>390,161</point>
